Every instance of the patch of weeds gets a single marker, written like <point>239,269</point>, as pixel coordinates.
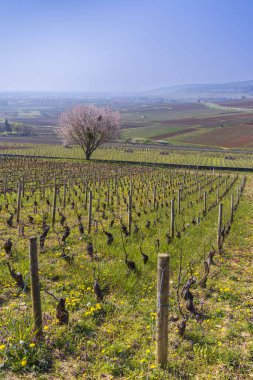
<point>26,357</point>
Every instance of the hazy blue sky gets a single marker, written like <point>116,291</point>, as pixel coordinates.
<point>91,45</point>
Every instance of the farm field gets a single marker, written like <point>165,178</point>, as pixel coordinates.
<point>100,228</point>
<point>130,153</point>
<point>225,124</point>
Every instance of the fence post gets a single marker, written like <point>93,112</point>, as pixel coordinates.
<point>35,288</point>
<point>162,309</point>
<point>172,219</point>
<point>90,213</point>
<point>219,243</point>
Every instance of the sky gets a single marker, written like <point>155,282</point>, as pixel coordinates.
<point>123,45</point>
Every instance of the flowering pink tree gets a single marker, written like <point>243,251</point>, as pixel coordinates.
<point>89,127</point>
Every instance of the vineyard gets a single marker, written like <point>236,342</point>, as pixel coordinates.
<point>158,155</point>
<point>99,229</point>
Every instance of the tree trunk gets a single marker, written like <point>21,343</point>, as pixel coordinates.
<point>87,155</point>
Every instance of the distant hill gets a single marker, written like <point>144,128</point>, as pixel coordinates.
<point>233,90</point>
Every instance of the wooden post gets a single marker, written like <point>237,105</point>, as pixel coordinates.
<point>219,227</point>
<point>232,208</point>
<point>162,309</point>
<point>204,203</point>
<point>5,185</point>
<point>96,225</point>
<point>238,194</point>
<point>21,230</point>
<point>43,188</point>
<point>54,204</point>
<point>217,195</point>
<point>108,194</point>
<point>86,195</point>
<point>154,198</point>
<point>179,201</point>
<point>131,187</point>
<point>23,185</point>
<point>19,200</point>
<point>130,214</point>
<point>64,194</point>
<point>90,213</point>
<point>35,288</point>
<point>172,219</point>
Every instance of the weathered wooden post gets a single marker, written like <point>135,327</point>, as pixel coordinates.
<point>232,208</point>
<point>219,238</point>
<point>43,188</point>
<point>217,195</point>
<point>23,185</point>
<point>19,200</point>
<point>172,219</point>
<point>179,201</point>
<point>238,195</point>
<point>162,309</point>
<point>21,230</point>
<point>204,210</point>
<point>35,288</point>
<point>90,213</point>
<point>154,198</point>
<point>108,194</point>
<point>130,213</point>
<point>54,204</point>
<point>64,194</point>
<point>86,195</point>
<point>5,185</point>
